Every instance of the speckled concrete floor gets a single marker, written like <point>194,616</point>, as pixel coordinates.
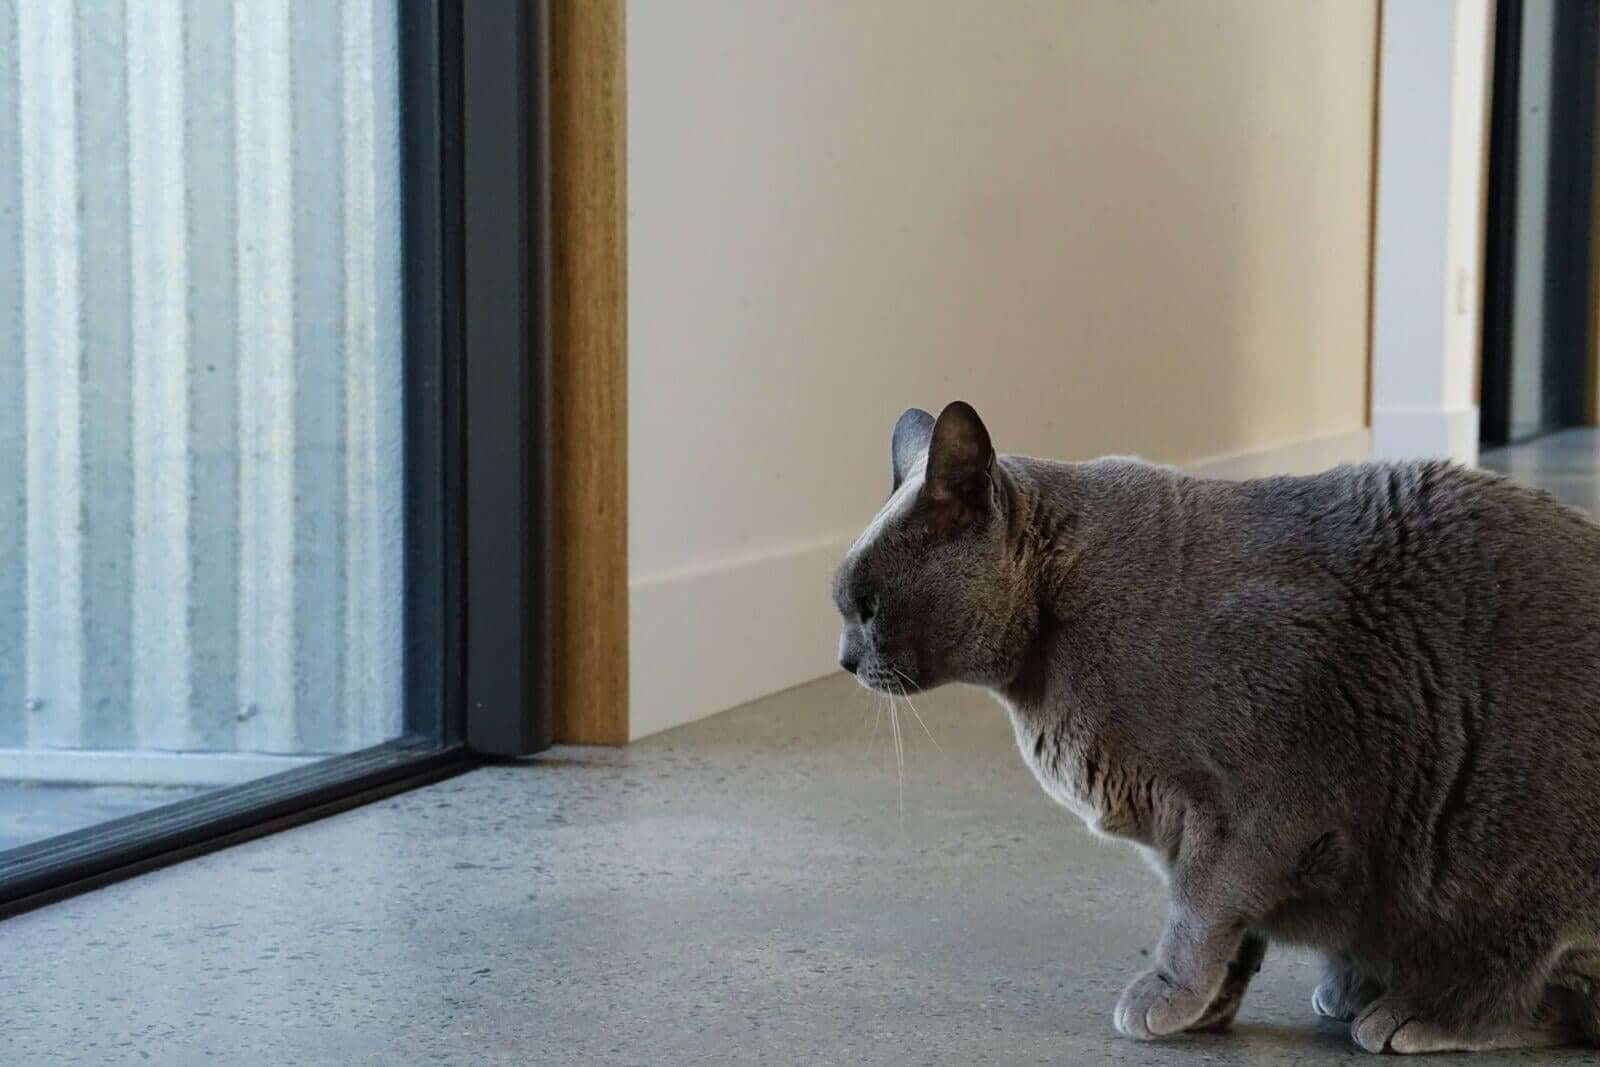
<point>1565,464</point>
<point>744,890</point>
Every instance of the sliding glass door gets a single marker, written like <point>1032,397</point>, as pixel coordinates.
<point>271,359</point>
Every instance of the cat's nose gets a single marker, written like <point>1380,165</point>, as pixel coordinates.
<point>850,649</point>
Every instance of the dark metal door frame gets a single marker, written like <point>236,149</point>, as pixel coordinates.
<point>1554,282</point>
<point>505,246</point>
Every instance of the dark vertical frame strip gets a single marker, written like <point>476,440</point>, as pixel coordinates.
<point>1499,289</point>
<point>505,362</point>
<point>1571,179</point>
<point>1561,290</point>
<point>538,442</point>
<point>429,160</point>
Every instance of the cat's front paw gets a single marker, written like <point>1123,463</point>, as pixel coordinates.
<point>1377,1023</point>
<point>1152,1006</point>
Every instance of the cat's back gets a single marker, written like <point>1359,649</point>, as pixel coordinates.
<point>1411,524</point>
<point>1474,565</point>
<point>1455,558</point>
<point>1454,621</point>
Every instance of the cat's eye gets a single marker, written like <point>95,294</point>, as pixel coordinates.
<point>866,607</point>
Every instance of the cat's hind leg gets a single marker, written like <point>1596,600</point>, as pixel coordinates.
<point>1417,1036</point>
<point>1551,1026</point>
<point>1478,1008</point>
<point>1575,987</point>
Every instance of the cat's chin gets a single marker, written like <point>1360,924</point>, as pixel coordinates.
<point>892,684</point>
<point>871,686</point>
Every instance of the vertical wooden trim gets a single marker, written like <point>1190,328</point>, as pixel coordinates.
<point>1372,199</point>
<point>588,114</point>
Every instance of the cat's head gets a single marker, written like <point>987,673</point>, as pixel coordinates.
<point>928,592</point>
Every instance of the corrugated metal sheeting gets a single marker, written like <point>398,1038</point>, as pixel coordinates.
<point>200,375</point>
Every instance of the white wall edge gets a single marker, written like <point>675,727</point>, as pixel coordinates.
<point>105,767</point>
<point>1423,433</point>
<point>1436,61</point>
<point>714,636</point>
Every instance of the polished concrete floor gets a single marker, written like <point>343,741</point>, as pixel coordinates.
<point>744,890</point>
<point>1567,465</point>
<point>755,888</point>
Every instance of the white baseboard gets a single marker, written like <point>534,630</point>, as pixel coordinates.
<point>714,637</point>
<point>1296,457</point>
<point>707,640</point>
<point>139,767</point>
<point>1425,433</point>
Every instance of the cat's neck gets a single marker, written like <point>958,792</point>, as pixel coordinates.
<point>1074,528</point>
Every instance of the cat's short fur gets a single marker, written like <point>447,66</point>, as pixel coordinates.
<point>1358,711</point>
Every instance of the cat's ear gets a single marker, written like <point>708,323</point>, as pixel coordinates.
<point>960,466</point>
<point>910,441</point>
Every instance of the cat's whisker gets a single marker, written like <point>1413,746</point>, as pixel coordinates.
<point>884,708</point>
<point>918,715</point>
<point>906,693</point>
<point>899,754</point>
<point>877,718</point>
<point>874,705</point>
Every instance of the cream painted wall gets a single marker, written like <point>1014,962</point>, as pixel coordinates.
<point>1112,227</point>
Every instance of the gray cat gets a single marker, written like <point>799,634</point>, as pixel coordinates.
<point>1358,711</point>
